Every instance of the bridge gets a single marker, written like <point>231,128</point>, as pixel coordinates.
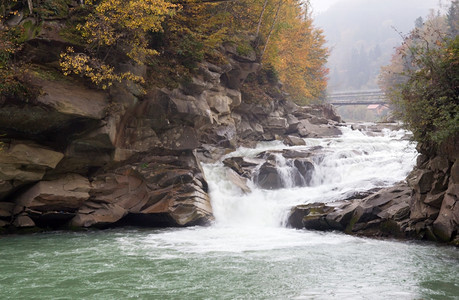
<point>357,98</point>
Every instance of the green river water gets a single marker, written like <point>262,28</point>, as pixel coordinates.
<point>247,253</point>
<point>223,263</point>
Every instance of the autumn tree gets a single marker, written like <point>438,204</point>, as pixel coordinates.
<point>14,79</point>
<point>116,27</point>
<point>298,54</point>
<point>422,82</point>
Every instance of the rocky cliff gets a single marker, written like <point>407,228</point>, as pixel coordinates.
<point>79,157</point>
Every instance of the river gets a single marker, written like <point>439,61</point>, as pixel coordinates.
<point>247,253</point>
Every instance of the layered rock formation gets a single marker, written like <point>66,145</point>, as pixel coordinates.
<point>424,207</point>
<point>435,201</point>
<point>79,157</point>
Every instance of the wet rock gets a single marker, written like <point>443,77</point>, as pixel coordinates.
<point>439,163</point>
<point>180,138</point>
<point>306,129</point>
<point>383,213</point>
<point>292,154</point>
<point>166,189</point>
<point>23,221</point>
<point>98,214</point>
<point>268,177</point>
<point>243,166</point>
<point>6,209</point>
<point>446,226</point>
<point>238,181</point>
<point>65,194</point>
<point>210,154</point>
<point>6,187</point>
<point>138,150</point>
<point>26,161</point>
<point>423,182</point>
<point>292,140</point>
<point>455,172</point>
<point>305,170</point>
<point>315,217</point>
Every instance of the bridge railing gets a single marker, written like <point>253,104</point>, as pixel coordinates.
<point>357,97</point>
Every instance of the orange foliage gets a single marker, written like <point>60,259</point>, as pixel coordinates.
<point>298,54</point>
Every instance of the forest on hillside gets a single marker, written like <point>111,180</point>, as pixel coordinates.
<point>169,37</point>
<point>362,35</point>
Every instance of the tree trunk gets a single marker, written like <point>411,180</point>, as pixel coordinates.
<point>271,29</point>
<point>261,17</point>
<point>30,4</point>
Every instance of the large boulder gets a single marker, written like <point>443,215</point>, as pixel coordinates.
<point>446,226</point>
<point>307,129</point>
<point>60,107</point>
<point>268,177</point>
<point>24,161</point>
<point>166,189</point>
<point>238,181</point>
<point>385,213</point>
<point>292,140</point>
<point>65,194</point>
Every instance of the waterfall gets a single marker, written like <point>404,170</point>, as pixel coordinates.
<point>352,163</point>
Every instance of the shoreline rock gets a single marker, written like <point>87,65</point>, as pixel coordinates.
<point>134,158</point>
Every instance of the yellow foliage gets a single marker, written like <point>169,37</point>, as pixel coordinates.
<point>99,73</point>
<point>194,28</point>
<point>297,52</point>
<point>118,21</point>
<point>120,24</point>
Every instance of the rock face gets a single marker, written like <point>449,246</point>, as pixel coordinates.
<point>281,119</point>
<point>166,189</point>
<point>427,207</point>
<point>385,213</point>
<point>79,157</point>
<point>435,201</point>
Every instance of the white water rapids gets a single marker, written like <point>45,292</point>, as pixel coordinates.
<point>247,253</point>
<point>345,165</point>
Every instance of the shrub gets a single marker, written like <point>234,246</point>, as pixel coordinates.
<point>425,93</point>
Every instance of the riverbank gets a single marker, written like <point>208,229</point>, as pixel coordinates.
<point>424,206</point>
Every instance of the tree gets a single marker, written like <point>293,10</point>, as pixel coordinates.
<point>422,83</point>
<point>118,26</point>
<point>298,54</point>
<point>453,19</point>
<point>419,22</point>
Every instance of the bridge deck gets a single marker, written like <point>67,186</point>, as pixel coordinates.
<point>357,98</point>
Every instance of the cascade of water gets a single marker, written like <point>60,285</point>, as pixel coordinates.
<point>285,170</point>
<point>353,162</point>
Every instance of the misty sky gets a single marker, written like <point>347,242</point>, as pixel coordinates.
<point>357,29</point>
<point>320,6</point>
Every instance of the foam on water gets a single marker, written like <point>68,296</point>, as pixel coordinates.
<point>247,253</point>
<point>354,162</point>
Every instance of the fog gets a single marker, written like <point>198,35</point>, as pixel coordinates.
<point>362,35</point>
